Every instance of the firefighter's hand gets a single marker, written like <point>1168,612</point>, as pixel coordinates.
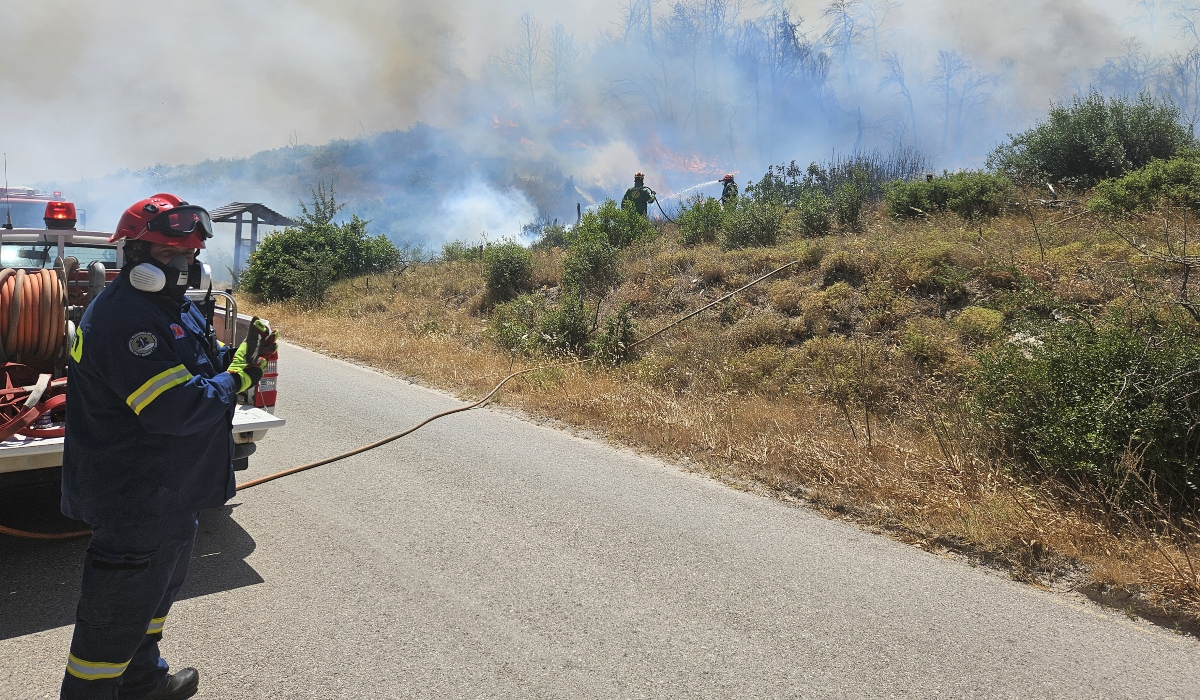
<point>268,343</point>
<point>245,367</point>
<point>246,374</point>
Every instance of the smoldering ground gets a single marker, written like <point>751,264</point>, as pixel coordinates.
<point>536,106</point>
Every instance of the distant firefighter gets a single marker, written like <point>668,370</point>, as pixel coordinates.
<point>639,195</point>
<point>729,193</point>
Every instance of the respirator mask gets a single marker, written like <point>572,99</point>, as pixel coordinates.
<point>172,279</point>
<point>175,277</point>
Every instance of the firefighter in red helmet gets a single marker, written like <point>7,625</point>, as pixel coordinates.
<point>149,444</point>
<point>729,191</point>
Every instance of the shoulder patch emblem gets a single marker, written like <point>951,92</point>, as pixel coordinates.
<point>178,330</point>
<point>142,344</point>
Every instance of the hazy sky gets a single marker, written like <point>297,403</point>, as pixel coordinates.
<point>88,88</point>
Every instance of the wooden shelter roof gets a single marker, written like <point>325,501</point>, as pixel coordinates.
<point>265,215</point>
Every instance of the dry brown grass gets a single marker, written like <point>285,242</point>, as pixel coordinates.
<point>751,395</point>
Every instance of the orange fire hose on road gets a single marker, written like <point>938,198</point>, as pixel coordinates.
<point>379,443</point>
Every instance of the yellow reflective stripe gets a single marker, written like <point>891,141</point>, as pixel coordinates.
<point>77,346</point>
<point>156,385</point>
<point>156,625</point>
<point>93,670</point>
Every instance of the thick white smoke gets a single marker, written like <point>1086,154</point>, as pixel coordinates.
<point>661,86</point>
<point>478,211</point>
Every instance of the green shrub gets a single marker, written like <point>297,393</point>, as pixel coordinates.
<point>1174,182</point>
<point>292,264</point>
<point>1075,401</point>
<point>456,251</point>
<point>513,324</point>
<point>552,236</point>
<point>620,226</point>
<point>971,195</point>
<point>531,325</point>
<point>751,223</point>
<point>1090,139</point>
<point>566,327</point>
<point>849,200</point>
<point>815,213</point>
<point>592,263</point>
<point>700,222</point>
<point>303,261</point>
<point>507,270</point>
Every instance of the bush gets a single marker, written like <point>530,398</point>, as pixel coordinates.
<point>592,264</point>
<point>1076,401</point>
<point>566,327</point>
<point>620,226</point>
<point>551,236</point>
<point>514,323</point>
<point>848,202</point>
<point>529,325</point>
<point>1090,139</point>
<point>507,270</point>
<point>971,195</point>
<point>457,251</point>
<point>303,261</point>
<point>814,211</point>
<point>751,223</point>
<point>701,221</point>
<point>1174,182</point>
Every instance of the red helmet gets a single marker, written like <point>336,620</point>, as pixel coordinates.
<point>638,176</point>
<point>728,177</point>
<point>167,219</point>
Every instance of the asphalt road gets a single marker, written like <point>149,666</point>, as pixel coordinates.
<point>490,557</point>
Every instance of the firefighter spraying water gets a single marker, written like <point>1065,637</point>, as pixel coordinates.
<point>639,196</point>
<point>729,191</point>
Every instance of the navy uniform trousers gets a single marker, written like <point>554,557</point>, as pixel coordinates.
<point>131,576</point>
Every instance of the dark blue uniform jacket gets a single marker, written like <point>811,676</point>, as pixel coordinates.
<point>149,412</point>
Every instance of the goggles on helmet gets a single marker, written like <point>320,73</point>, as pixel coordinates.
<point>182,221</point>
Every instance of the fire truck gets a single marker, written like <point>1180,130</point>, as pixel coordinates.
<point>50,271</point>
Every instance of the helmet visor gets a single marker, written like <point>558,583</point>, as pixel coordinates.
<point>183,221</point>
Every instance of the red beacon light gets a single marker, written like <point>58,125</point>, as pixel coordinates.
<point>60,215</point>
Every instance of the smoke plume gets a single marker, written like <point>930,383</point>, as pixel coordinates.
<point>441,121</point>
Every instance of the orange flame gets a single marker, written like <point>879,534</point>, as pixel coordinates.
<point>679,162</point>
<point>497,123</point>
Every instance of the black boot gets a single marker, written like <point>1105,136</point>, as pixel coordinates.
<point>179,685</point>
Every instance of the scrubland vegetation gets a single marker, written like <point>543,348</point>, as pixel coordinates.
<point>966,362</point>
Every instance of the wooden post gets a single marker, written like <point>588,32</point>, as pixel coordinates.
<point>237,244</point>
<point>253,234</point>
